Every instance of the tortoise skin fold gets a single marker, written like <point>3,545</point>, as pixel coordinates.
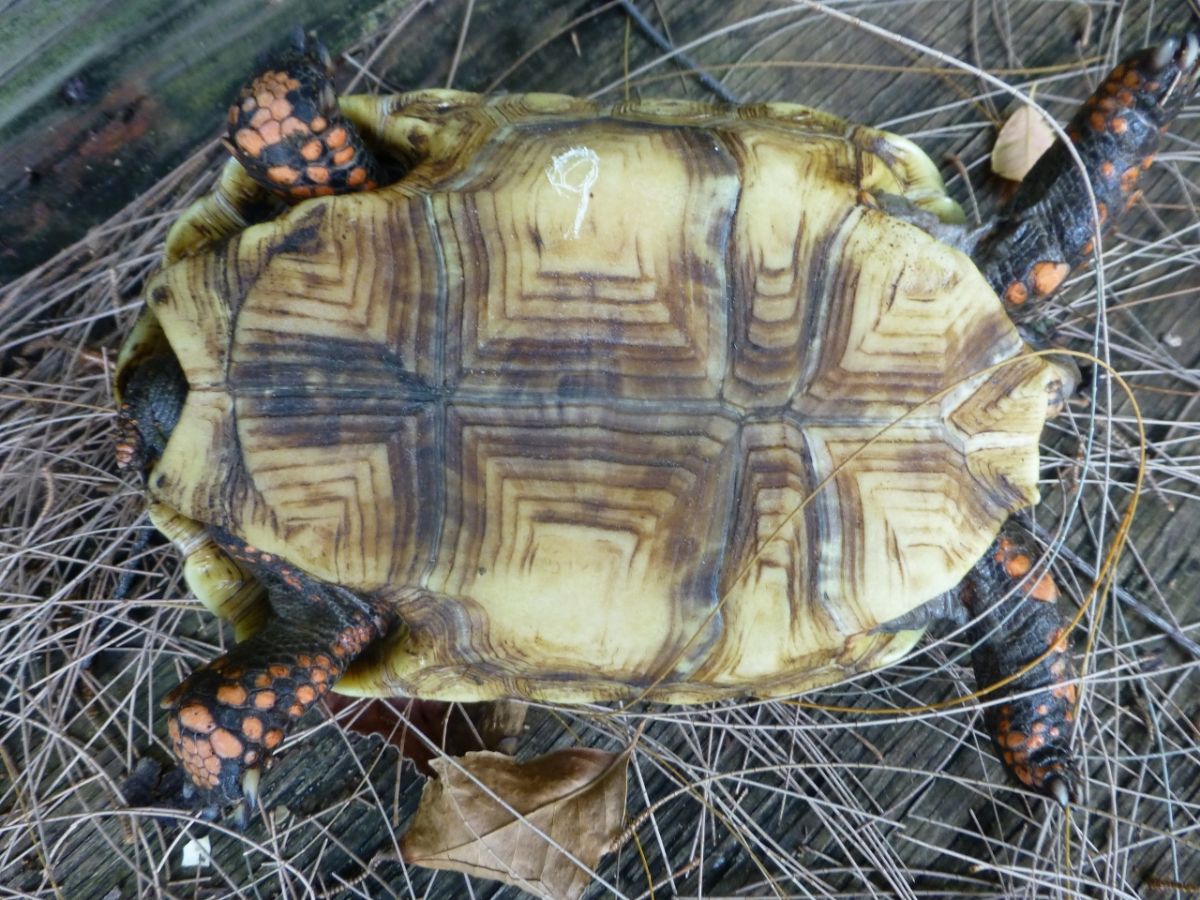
<point>1047,229</point>
<point>1017,620</point>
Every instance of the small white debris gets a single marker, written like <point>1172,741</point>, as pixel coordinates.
<point>1171,339</point>
<point>575,171</point>
<point>197,854</point>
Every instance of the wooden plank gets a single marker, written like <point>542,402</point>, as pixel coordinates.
<point>781,798</point>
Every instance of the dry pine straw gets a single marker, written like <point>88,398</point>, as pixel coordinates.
<point>98,624</point>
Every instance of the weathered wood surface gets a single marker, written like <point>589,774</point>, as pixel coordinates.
<point>819,802</point>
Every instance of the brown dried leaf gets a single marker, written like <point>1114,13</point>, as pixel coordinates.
<point>1021,142</point>
<point>573,798</point>
<point>456,728</point>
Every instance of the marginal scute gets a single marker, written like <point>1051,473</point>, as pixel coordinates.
<point>651,401</point>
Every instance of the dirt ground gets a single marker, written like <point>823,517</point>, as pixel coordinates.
<point>735,799</point>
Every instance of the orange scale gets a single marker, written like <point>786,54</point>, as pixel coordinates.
<point>1045,590</point>
<point>231,694</point>
<point>290,126</point>
<point>1014,739</point>
<point>226,745</point>
<point>252,727</point>
<point>271,132</point>
<point>1016,293</point>
<point>196,718</point>
<point>250,142</point>
<point>1019,564</point>
<point>284,175</point>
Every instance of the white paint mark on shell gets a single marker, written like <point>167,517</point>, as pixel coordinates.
<point>575,171</point>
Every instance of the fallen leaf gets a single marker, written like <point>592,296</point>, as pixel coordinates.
<point>573,799</point>
<point>1021,142</point>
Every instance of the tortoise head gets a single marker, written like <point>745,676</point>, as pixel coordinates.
<point>150,388</point>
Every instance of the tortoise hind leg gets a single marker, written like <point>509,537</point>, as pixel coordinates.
<point>1016,621</point>
<point>228,716</point>
<point>1046,229</point>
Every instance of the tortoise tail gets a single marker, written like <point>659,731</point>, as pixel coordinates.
<point>1017,620</point>
<point>287,131</point>
<point>1046,230</point>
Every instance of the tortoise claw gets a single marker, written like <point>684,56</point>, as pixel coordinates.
<point>1058,788</point>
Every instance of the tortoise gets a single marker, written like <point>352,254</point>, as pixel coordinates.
<point>461,397</point>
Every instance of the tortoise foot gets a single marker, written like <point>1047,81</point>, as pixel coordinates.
<point>228,717</point>
<point>287,131</point>
<point>1017,621</point>
<point>1049,227</point>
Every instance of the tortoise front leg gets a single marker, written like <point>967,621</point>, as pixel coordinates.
<point>288,132</point>
<point>1017,620</point>
<point>288,138</point>
<point>1046,229</point>
<point>228,716</point>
